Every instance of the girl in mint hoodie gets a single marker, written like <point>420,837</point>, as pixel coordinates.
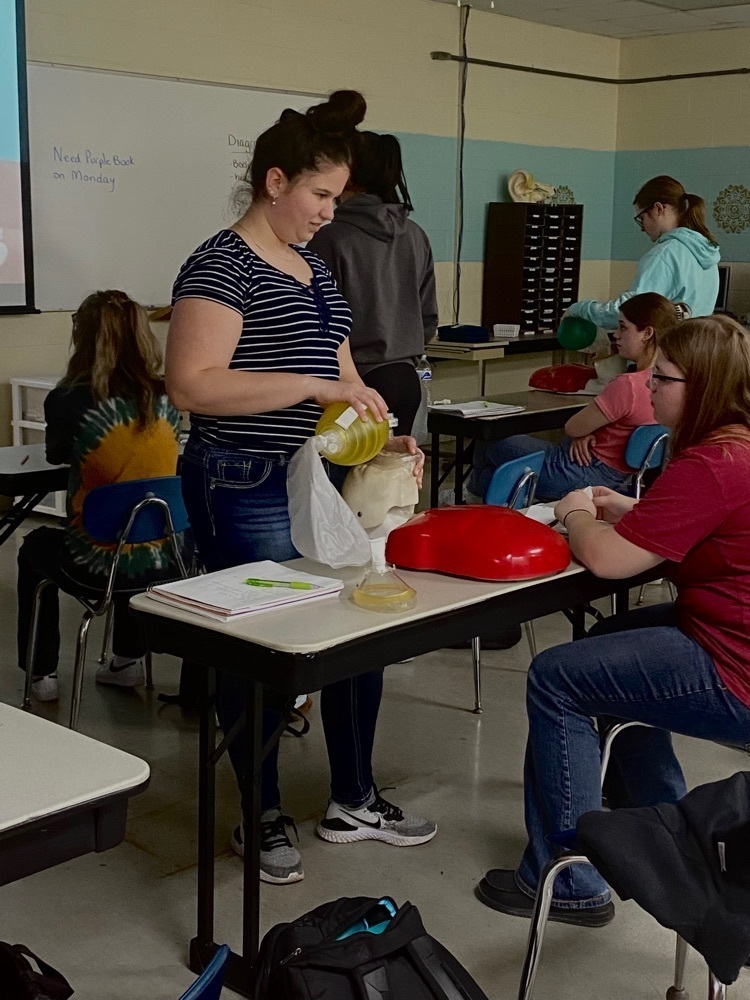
<point>682,265</point>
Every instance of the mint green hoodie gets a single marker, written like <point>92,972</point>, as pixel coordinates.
<point>681,266</point>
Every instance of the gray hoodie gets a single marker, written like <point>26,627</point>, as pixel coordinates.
<point>382,264</point>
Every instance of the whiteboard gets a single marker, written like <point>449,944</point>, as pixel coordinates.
<point>129,174</point>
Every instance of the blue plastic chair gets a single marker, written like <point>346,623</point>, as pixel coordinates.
<point>139,510</point>
<point>208,985</point>
<point>513,485</point>
<point>646,449</point>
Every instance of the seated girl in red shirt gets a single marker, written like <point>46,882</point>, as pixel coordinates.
<point>682,667</point>
<point>593,454</point>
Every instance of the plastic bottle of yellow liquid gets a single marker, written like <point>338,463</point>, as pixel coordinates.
<point>382,588</point>
<point>344,439</point>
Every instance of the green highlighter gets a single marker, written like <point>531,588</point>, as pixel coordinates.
<point>289,584</point>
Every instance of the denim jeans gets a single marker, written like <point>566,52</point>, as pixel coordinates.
<point>560,473</point>
<point>238,509</point>
<point>636,666</point>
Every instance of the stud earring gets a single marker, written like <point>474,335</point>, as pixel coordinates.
<point>273,202</point>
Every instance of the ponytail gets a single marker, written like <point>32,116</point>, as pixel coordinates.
<point>690,208</point>
<point>378,169</point>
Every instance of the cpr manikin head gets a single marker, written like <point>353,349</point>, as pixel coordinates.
<point>383,486</point>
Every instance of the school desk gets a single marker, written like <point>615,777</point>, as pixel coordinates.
<point>308,645</point>
<point>25,474</point>
<point>485,352</point>
<point>542,411</point>
<point>62,794</point>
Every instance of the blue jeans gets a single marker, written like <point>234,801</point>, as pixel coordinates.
<point>560,473</point>
<point>237,505</point>
<point>636,666</point>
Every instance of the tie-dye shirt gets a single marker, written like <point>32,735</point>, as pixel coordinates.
<point>103,443</point>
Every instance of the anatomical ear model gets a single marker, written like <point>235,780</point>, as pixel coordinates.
<point>523,187</point>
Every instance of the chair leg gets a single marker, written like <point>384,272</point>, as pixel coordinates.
<point>149,672</point>
<point>678,991</point>
<point>539,917</point>
<point>476,662</point>
<point>528,628</point>
<point>75,702</point>
<point>32,643</point>
<point>107,634</point>
<point>716,990</point>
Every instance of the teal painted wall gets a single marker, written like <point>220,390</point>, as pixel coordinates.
<point>603,182</point>
<point>703,171</point>
<point>430,167</point>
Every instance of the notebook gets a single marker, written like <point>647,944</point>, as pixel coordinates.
<point>225,595</point>
<point>477,408</point>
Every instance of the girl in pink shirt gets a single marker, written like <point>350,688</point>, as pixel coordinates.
<point>593,454</point>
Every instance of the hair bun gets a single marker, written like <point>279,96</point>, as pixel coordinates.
<point>338,117</point>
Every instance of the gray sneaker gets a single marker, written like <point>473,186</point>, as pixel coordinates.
<point>375,820</point>
<point>280,863</point>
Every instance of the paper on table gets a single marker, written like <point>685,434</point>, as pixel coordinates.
<point>545,512</point>
<point>477,408</point>
<point>224,595</point>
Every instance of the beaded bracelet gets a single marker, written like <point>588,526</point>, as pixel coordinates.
<point>574,511</point>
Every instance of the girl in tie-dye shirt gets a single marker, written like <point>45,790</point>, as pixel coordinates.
<point>110,420</point>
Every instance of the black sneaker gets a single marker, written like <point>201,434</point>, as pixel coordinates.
<point>499,890</point>
<point>280,862</point>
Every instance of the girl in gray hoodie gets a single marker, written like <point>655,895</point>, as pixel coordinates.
<point>382,264</point>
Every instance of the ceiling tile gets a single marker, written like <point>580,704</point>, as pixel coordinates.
<point>699,4</point>
<point>725,15</point>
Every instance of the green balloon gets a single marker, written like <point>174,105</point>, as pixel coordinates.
<point>575,334</point>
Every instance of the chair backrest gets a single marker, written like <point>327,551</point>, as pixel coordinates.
<point>208,985</point>
<point>107,509</point>
<point>513,483</point>
<point>646,449</point>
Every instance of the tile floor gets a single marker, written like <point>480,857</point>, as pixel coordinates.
<point>118,924</point>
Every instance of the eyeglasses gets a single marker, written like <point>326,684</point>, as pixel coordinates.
<point>638,219</point>
<point>656,378</point>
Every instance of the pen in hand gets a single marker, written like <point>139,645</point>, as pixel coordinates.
<point>289,584</point>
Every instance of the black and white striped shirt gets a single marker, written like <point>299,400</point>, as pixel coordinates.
<point>287,326</point>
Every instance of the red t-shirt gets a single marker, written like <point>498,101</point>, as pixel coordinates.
<point>697,515</point>
<point>626,403</point>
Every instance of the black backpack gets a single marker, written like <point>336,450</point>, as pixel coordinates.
<point>303,959</point>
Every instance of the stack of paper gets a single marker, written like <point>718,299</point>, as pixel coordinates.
<point>244,590</point>
<point>477,408</point>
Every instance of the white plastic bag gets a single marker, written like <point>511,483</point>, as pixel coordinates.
<point>323,527</point>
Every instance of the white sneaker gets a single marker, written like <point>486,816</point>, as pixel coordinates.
<point>130,674</point>
<point>375,820</point>
<point>46,688</point>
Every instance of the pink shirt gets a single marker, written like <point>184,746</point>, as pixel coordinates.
<point>626,403</point>
<point>697,516</point>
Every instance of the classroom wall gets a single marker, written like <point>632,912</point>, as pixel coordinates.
<point>563,131</point>
<point>594,139</point>
<point>383,49</point>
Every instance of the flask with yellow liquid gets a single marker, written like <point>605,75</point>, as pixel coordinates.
<point>344,439</point>
<point>382,588</point>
